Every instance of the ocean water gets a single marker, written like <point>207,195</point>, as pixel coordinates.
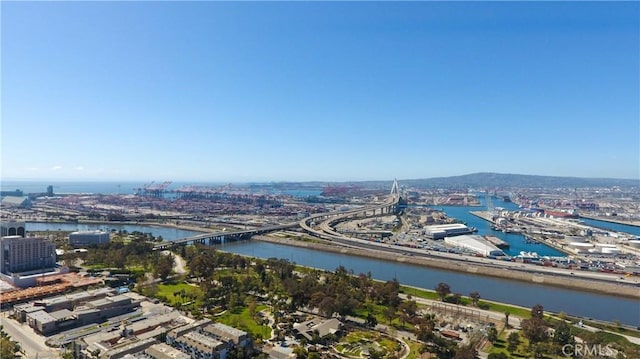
<point>72,187</point>
<point>130,187</point>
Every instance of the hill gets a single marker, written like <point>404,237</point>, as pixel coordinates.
<point>488,179</point>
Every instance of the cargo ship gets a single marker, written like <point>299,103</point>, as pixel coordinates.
<point>561,214</point>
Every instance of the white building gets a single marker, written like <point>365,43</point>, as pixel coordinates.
<point>18,254</point>
<point>439,231</point>
<point>475,243</point>
<point>86,238</point>
<point>12,228</point>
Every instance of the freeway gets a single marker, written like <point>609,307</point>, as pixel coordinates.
<point>392,201</point>
<point>326,231</point>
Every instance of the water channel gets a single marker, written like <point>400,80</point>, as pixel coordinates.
<point>589,305</point>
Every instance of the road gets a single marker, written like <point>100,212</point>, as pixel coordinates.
<point>179,265</point>
<point>32,344</point>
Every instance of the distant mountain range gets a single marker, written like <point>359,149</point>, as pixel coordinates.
<point>488,179</point>
<point>484,180</point>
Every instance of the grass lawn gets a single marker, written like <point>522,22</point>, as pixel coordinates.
<point>169,290</point>
<point>494,307</point>
<point>358,341</point>
<point>242,319</point>
<point>500,346</point>
<point>420,293</point>
<point>415,349</point>
<point>503,308</point>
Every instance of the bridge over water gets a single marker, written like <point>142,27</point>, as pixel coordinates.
<point>391,205</point>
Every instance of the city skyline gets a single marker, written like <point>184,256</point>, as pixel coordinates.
<point>314,91</point>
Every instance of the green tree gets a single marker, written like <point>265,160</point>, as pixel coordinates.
<point>443,290</point>
<point>492,334</point>
<point>162,265</point>
<point>371,321</point>
<point>562,334</point>
<point>513,340</point>
<point>67,354</point>
<point>475,297</point>
<point>538,350</point>
<point>499,355</point>
<point>300,352</point>
<point>537,312</point>
<point>390,313</point>
<point>466,352</point>
<point>407,310</point>
<point>456,298</point>
<point>8,348</point>
<point>535,329</point>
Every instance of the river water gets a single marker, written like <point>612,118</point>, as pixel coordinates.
<point>167,233</point>
<point>517,242</point>
<point>589,305</point>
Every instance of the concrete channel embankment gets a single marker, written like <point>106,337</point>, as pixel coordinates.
<point>462,266</point>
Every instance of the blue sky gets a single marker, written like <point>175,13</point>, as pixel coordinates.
<point>216,91</point>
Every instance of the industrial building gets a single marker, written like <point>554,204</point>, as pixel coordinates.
<point>67,301</point>
<point>476,244</point>
<point>19,254</point>
<point>86,238</point>
<point>95,311</point>
<point>16,202</point>
<point>439,231</point>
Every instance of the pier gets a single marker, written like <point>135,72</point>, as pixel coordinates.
<point>487,216</point>
<point>497,241</point>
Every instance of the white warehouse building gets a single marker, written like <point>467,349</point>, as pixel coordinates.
<point>439,231</point>
<point>475,243</point>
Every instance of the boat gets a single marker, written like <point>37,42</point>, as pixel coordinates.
<point>528,255</point>
<point>561,214</point>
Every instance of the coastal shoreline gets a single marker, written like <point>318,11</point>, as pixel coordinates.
<point>467,268</point>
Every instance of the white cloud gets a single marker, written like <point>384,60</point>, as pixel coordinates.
<point>56,168</point>
<point>78,168</point>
